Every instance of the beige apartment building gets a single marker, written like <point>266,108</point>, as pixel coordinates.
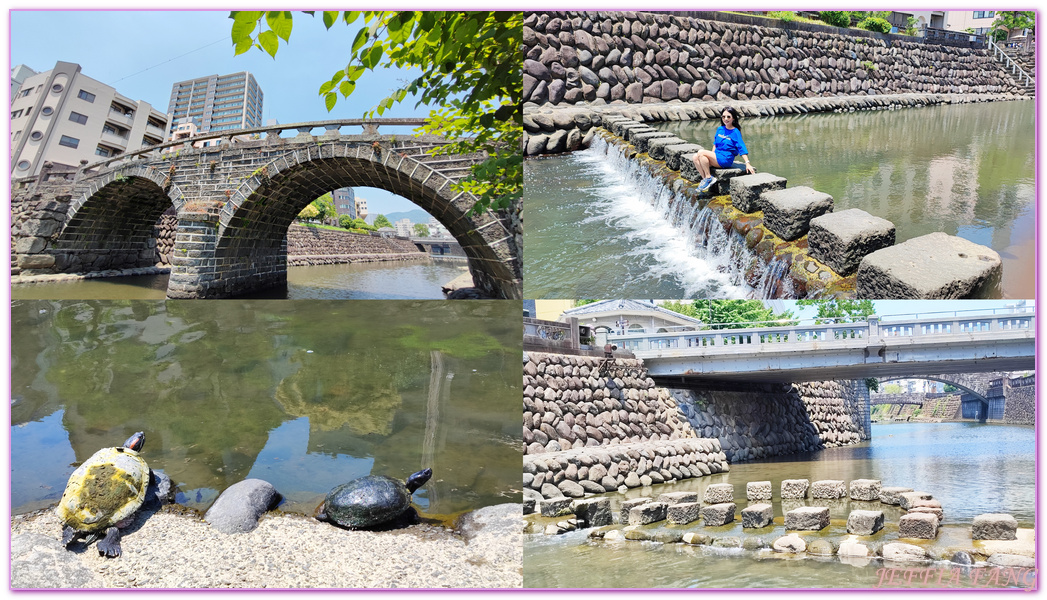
<point>216,103</point>
<point>63,117</point>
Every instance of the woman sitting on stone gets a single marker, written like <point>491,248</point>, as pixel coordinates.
<point>728,144</point>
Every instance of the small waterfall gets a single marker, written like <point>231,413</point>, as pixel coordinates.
<point>717,256</point>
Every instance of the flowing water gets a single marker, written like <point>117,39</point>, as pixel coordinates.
<point>414,280</point>
<point>597,227</point>
<point>970,468</point>
<point>305,395</point>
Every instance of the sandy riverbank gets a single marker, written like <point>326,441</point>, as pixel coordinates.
<point>174,548</point>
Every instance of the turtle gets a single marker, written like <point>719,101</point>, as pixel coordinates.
<point>105,492</point>
<point>370,502</point>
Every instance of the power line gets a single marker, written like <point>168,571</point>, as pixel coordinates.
<point>171,59</point>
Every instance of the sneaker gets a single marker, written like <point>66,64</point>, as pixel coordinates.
<point>706,184</point>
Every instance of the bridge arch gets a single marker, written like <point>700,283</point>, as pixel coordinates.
<point>110,224</point>
<point>977,386</point>
<point>251,229</point>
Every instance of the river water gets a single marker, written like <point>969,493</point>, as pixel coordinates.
<point>595,230</point>
<point>414,280</point>
<point>305,395</point>
<point>970,468</point>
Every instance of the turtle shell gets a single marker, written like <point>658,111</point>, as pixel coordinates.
<point>108,488</point>
<point>366,502</point>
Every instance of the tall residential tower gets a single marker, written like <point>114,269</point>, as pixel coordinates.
<point>216,103</point>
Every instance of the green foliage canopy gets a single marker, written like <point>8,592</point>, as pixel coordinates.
<point>739,314</point>
<point>840,310</point>
<point>421,230</point>
<point>837,18</point>
<point>470,71</point>
<point>381,221</point>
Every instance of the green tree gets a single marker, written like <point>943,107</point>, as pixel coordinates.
<point>891,388</point>
<point>685,308</point>
<point>584,302</point>
<point>470,71</point>
<point>325,208</point>
<point>910,26</point>
<point>952,389</point>
<point>837,18</point>
<point>840,310</point>
<point>738,314</point>
<point>1011,20</point>
<point>310,212</point>
<point>421,230</point>
<point>381,221</point>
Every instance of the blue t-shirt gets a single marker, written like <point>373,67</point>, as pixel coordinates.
<point>728,144</point>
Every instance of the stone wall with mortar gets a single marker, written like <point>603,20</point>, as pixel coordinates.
<point>572,57</point>
<point>1020,408</point>
<point>792,418</point>
<point>591,426</point>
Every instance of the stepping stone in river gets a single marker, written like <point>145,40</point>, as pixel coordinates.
<point>671,498</point>
<point>994,527</point>
<point>865,489</point>
<point>718,493</point>
<point>864,522</point>
<point>746,190</point>
<point>593,512</point>
<point>932,266</point>
<point>788,212</point>
<point>795,488</point>
<point>922,526</point>
<point>757,515</point>
<point>892,495</point>
<point>683,513</point>
<point>758,490</point>
<point>842,239</point>
<point>830,489</point>
<point>650,512</point>
<point>718,514</point>
<point>628,505</point>
<point>807,518</point>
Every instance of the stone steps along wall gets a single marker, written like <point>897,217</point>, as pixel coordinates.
<point>636,57</point>
<point>852,252</point>
<point>801,417</point>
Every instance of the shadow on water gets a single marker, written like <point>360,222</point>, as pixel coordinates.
<point>306,395</point>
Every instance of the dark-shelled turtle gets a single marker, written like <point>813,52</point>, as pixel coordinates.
<point>370,501</point>
<point>105,492</point>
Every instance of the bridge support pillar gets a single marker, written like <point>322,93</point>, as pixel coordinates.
<point>193,265</point>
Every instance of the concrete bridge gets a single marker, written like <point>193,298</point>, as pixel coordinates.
<point>235,201</point>
<point>899,348</point>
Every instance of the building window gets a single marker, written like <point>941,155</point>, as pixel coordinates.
<point>57,88</point>
<point>36,136</point>
<point>25,93</point>
<point>47,110</point>
<point>24,165</point>
<point>78,118</point>
<point>86,95</point>
<point>16,114</point>
<point>100,151</point>
<point>984,14</point>
<point>70,142</point>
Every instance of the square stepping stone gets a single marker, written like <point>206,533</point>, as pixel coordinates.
<point>675,155</point>
<point>683,513</point>
<point>758,490</point>
<point>908,500</point>
<point>864,522</point>
<point>557,507</point>
<point>718,514</point>
<point>829,489</point>
<point>994,526</point>
<point>922,526</point>
<point>656,146</point>
<point>788,213</point>
<point>865,489</point>
<point>757,515</point>
<point>651,512</point>
<point>795,488</point>
<point>931,510</point>
<point>842,239</point>
<point>628,505</point>
<point>807,518</point>
<point>671,498</point>
<point>643,140</point>
<point>746,190</point>
<point>723,179</point>
<point>593,512</point>
<point>892,495</point>
<point>718,493</point>
<point>936,265</point>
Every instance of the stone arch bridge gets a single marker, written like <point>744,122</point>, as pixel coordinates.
<point>234,202</point>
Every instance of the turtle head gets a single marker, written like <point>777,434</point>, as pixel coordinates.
<point>418,479</point>
<point>135,442</point>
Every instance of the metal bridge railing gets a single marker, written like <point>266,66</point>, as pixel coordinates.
<point>1016,70</point>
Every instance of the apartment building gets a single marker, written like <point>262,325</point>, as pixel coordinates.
<point>63,117</point>
<point>403,227</point>
<point>361,208</point>
<point>216,103</point>
<point>345,202</point>
<point>19,74</point>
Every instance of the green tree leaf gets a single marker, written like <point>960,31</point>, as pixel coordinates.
<point>279,22</point>
<point>269,42</point>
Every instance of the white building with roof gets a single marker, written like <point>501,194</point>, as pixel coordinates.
<point>633,316</point>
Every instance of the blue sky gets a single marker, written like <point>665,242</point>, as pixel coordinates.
<point>142,53</point>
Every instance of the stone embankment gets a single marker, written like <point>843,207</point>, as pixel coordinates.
<point>1021,406</point>
<point>593,425</point>
<point>636,57</point>
<point>944,408</point>
<point>312,246</point>
<point>800,417</point>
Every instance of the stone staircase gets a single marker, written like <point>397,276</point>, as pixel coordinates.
<point>1025,61</point>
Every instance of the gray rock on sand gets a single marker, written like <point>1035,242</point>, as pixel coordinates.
<point>994,527</point>
<point>900,552</point>
<point>239,507</point>
<point>39,561</point>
